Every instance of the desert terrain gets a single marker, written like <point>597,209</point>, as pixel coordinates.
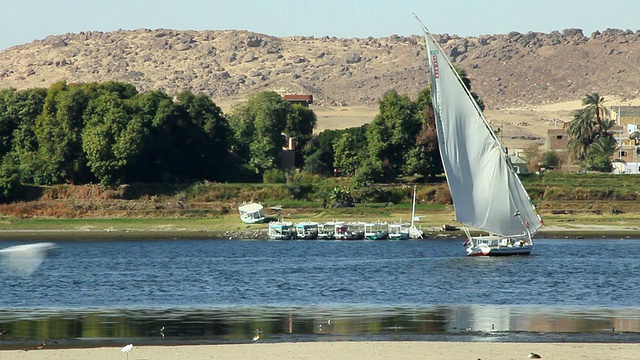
<point>526,81</point>
<point>522,127</point>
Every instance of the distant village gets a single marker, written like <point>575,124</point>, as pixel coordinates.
<point>625,160</point>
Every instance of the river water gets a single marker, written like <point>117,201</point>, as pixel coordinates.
<point>220,291</point>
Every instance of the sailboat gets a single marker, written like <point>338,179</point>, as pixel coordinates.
<point>487,193</point>
<point>403,231</point>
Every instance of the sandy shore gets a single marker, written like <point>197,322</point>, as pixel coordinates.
<point>346,350</point>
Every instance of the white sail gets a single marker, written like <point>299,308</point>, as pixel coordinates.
<point>486,191</point>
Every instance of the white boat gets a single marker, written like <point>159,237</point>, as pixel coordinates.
<point>487,193</point>
<point>404,231</point>
<point>326,231</point>
<point>414,232</point>
<point>399,231</point>
<point>307,230</point>
<point>377,230</point>
<point>349,231</point>
<point>252,213</point>
<point>281,230</point>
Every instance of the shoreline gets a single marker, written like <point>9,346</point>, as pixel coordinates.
<point>432,350</point>
<point>261,234</point>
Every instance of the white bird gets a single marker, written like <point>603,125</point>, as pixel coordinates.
<point>126,349</point>
<point>25,259</point>
<point>256,338</point>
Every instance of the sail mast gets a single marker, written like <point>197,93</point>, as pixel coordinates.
<point>485,189</point>
<point>413,210</point>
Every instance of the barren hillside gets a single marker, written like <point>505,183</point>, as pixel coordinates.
<point>511,70</point>
<point>521,77</point>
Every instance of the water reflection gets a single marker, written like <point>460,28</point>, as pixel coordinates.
<point>236,325</point>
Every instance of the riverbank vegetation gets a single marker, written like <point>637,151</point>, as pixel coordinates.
<point>562,198</point>
<point>106,151</point>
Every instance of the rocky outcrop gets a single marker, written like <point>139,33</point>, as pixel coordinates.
<point>506,70</point>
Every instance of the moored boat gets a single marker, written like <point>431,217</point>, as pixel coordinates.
<point>399,231</point>
<point>307,230</point>
<point>281,230</point>
<point>377,230</point>
<point>252,213</point>
<point>326,230</point>
<point>349,231</point>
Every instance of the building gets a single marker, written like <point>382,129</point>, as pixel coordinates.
<point>520,165</point>
<point>627,118</point>
<point>624,115</point>
<point>304,100</point>
<point>557,140</point>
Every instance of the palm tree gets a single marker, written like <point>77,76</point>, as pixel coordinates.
<point>599,154</point>
<point>594,109</point>
<point>588,124</point>
<point>580,131</point>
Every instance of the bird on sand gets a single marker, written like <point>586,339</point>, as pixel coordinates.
<point>534,356</point>
<point>40,346</point>
<point>127,349</point>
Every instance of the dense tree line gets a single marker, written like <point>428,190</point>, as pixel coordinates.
<point>112,134</point>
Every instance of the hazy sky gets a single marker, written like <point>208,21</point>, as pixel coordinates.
<point>22,21</point>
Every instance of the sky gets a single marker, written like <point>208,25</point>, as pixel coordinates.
<point>23,21</point>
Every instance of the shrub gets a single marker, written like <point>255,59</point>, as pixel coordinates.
<point>274,176</point>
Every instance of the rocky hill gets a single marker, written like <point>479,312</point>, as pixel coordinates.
<point>509,70</point>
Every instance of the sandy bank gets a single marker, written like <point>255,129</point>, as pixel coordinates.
<point>346,350</point>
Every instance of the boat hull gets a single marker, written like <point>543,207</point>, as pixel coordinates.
<point>499,251</point>
<point>498,245</point>
<point>403,236</point>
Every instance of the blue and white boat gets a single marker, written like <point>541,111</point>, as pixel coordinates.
<point>307,230</point>
<point>281,230</point>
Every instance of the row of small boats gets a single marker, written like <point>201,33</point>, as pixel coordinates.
<point>253,213</point>
<point>341,230</point>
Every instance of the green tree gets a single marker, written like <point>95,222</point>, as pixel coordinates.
<point>320,152</point>
<point>590,125</point>
<point>425,157</point>
<point>301,122</point>
<point>148,165</point>
<point>392,134</point>
<point>111,138</point>
<point>18,111</point>
<point>587,125</point>
<point>599,155</point>
<point>350,149</point>
<point>210,137</point>
<point>549,160</point>
<point>258,125</point>
<point>58,131</point>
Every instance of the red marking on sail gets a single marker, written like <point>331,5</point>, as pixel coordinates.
<point>436,72</point>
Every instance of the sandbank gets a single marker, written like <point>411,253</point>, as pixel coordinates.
<point>345,350</point>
